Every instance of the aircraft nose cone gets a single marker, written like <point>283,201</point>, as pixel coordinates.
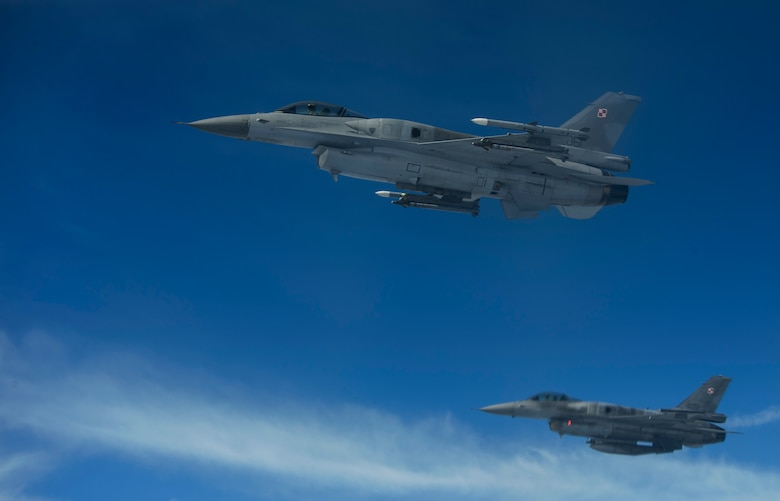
<point>507,409</point>
<point>232,126</point>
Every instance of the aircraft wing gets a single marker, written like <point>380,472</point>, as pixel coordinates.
<point>495,152</point>
<point>467,150</point>
<point>664,421</point>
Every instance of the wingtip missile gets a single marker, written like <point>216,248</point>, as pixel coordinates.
<point>532,127</point>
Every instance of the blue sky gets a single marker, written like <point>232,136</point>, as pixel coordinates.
<point>190,317</point>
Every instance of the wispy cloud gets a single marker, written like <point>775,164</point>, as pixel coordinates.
<point>768,415</point>
<point>124,405</point>
<point>17,470</point>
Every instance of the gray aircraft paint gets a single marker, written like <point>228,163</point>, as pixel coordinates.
<point>617,429</point>
<point>569,167</point>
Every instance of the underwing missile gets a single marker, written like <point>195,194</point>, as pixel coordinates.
<point>389,194</point>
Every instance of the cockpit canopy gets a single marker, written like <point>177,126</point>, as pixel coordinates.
<point>320,109</point>
<point>552,397</point>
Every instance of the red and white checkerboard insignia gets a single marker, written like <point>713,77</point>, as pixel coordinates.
<point>710,391</point>
<point>602,113</point>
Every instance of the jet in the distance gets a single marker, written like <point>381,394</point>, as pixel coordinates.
<point>626,430</point>
<point>529,169</point>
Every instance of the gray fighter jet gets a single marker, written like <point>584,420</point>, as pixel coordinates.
<point>625,430</point>
<point>529,169</point>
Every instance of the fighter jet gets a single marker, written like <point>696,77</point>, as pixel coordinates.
<point>528,169</point>
<point>616,429</point>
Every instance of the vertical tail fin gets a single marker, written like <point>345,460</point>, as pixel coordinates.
<point>604,120</point>
<point>707,397</point>
<point>578,211</point>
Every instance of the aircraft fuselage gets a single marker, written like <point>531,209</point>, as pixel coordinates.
<point>528,172</point>
<point>618,429</point>
<point>368,149</point>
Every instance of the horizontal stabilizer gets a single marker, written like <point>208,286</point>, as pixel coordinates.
<point>719,431</point>
<point>612,180</point>
<point>589,174</point>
